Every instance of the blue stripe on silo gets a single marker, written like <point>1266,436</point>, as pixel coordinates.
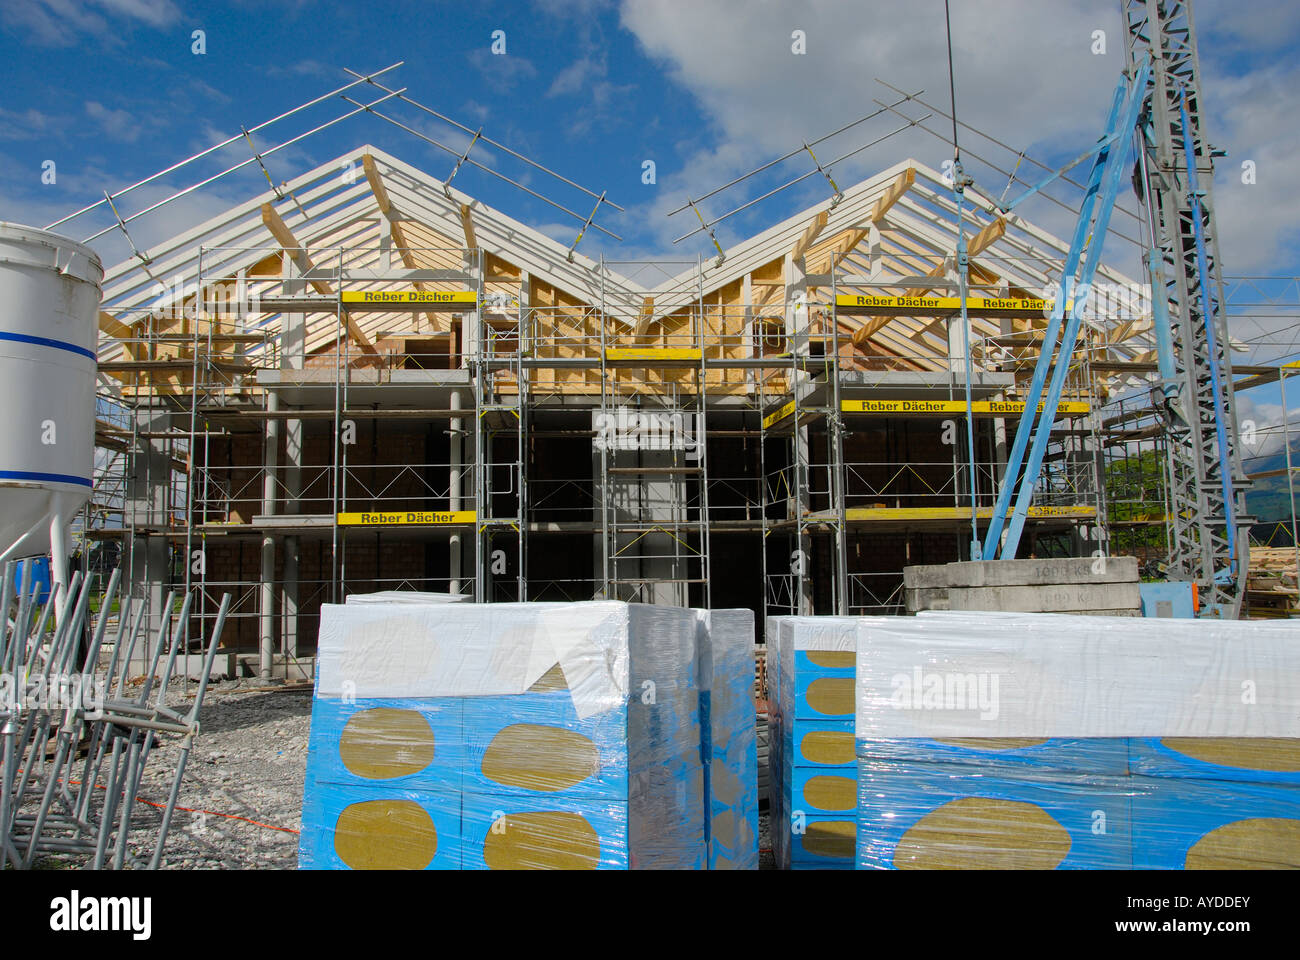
<point>44,477</point>
<point>47,342</point>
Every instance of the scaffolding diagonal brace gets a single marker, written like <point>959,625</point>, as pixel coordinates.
<point>446,185</point>
<point>258,157</point>
<point>586,224</point>
<point>837,194</point>
<point>143,258</point>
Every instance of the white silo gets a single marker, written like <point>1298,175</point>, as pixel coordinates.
<point>49,327</point>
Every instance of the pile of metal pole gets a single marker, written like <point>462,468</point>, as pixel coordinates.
<point>78,723</point>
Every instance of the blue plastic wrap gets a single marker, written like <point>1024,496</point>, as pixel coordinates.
<point>562,736</point>
<point>947,816</point>
<point>810,678</point>
<point>729,742</point>
<point>1052,741</point>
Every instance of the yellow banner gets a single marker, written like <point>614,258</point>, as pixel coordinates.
<point>866,303</point>
<point>986,408</point>
<point>399,298</point>
<point>1078,512</point>
<point>652,353</point>
<point>415,518</point>
<point>778,415</point>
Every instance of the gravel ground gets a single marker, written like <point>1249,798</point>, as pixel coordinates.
<point>244,778</point>
<point>766,861</point>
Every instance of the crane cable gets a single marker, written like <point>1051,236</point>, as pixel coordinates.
<point>959,188</point>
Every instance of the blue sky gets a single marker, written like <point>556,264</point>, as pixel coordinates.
<point>111,91</point>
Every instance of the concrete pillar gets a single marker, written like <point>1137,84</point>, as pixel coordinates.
<point>292,357</point>
<point>289,590</point>
<point>800,502</point>
<point>266,602</point>
<point>455,555</point>
<point>598,546</point>
<point>145,555</point>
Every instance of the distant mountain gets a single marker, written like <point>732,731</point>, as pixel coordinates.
<point>1268,498</point>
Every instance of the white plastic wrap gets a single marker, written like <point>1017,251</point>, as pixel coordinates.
<point>729,736</point>
<point>462,650</point>
<point>1040,741</point>
<point>957,674</point>
<point>505,736</point>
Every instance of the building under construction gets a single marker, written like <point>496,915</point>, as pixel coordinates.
<point>368,380</point>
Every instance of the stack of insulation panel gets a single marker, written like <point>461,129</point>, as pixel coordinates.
<point>505,736</point>
<point>1048,741</point>
<point>812,772</point>
<point>729,745</point>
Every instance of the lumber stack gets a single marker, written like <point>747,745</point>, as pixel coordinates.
<point>1271,584</point>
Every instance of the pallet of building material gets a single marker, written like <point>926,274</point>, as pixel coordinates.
<point>505,736</point>
<point>729,737</point>
<point>1051,741</point>
<point>1271,584</point>
<point>811,767</point>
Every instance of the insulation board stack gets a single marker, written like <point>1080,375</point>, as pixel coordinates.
<point>729,744</point>
<point>1048,741</point>
<point>812,772</point>
<point>504,736</point>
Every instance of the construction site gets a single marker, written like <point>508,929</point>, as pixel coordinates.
<point>364,399</point>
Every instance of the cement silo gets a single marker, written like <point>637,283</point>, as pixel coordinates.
<point>49,310</point>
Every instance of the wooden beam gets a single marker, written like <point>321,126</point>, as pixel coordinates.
<point>646,317</point>
<point>810,235</point>
<point>986,237</point>
<point>385,204</point>
<point>289,243</point>
<point>377,185</point>
<point>467,223</point>
<point>979,243</point>
<point>893,193</point>
<point>114,327</point>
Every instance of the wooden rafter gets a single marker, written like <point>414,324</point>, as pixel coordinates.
<point>645,318</point>
<point>893,193</point>
<point>395,230</point>
<point>467,224</point>
<point>805,242</point>
<point>289,244</point>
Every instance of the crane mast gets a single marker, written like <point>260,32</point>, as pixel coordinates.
<point>1207,523</point>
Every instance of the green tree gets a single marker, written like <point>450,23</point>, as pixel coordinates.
<point>1135,503</point>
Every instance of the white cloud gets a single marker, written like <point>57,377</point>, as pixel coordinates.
<point>1025,73</point>
<point>156,13</point>
<point>762,100</point>
<point>116,124</point>
<point>503,72</point>
<point>63,23</point>
<point>1260,429</point>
